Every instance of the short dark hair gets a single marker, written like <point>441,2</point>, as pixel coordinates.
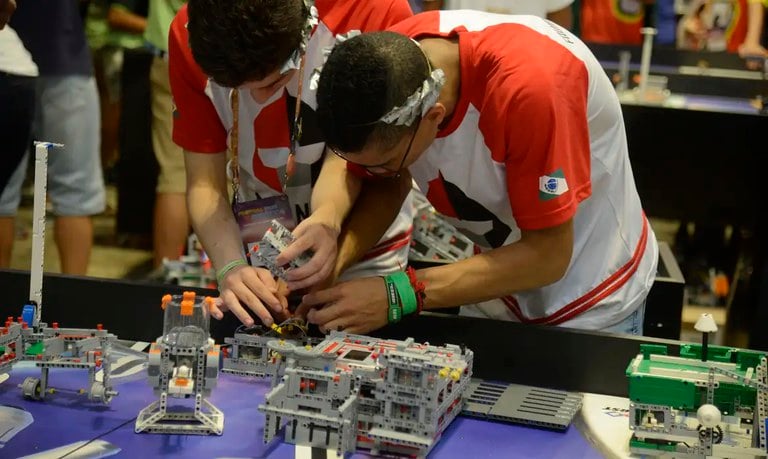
<point>234,41</point>
<point>363,79</point>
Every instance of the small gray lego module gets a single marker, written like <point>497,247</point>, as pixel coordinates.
<point>551,409</point>
<point>275,240</point>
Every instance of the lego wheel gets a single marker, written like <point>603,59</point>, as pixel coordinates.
<point>99,393</point>
<point>31,388</point>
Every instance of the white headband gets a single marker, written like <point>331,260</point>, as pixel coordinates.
<point>314,80</point>
<point>416,104</point>
<point>294,60</point>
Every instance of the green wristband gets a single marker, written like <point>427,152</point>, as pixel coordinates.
<point>395,311</point>
<point>404,291</point>
<point>229,267</point>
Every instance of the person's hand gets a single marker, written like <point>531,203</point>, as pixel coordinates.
<point>321,239</point>
<point>7,7</point>
<point>255,288</point>
<point>357,306</point>
<point>754,54</point>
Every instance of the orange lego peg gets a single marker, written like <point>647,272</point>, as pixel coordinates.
<point>166,299</point>
<point>187,307</point>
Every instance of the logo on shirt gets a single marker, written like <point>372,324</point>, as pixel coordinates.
<point>552,185</point>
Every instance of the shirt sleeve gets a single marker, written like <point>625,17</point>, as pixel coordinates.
<point>196,124</point>
<point>548,153</point>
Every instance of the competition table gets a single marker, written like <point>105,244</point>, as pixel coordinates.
<point>66,418</point>
<point>545,357</point>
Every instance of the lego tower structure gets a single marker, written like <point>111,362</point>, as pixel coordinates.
<point>183,364</point>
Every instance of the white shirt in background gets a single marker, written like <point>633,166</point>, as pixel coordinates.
<point>14,58</point>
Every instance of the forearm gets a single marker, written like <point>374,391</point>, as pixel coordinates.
<point>334,193</point>
<point>213,222</point>
<point>120,18</point>
<point>754,22</point>
<point>524,265</point>
<point>375,210</point>
<point>210,212</point>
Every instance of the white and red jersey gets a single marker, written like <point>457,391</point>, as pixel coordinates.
<point>203,118</point>
<point>537,138</point>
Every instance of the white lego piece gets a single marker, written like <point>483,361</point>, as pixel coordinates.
<point>38,227</point>
<point>706,323</point>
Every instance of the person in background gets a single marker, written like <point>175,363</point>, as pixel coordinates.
<point>107,62</point>
<point>734,26</point>
<point>67,112</point>
<point>613,22</point>
<point>17,108</point>
<point>170,226</point>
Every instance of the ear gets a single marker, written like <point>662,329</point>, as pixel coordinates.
<point>436,114</point>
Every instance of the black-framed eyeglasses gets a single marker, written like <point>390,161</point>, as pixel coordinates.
<point>381,171</point>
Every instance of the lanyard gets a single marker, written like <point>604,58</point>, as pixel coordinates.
<point>290,166</point>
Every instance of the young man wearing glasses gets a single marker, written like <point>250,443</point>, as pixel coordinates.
<point>513,131</point>
<point>266,49</point>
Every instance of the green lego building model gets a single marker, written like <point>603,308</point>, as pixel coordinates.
<point>709,401</point>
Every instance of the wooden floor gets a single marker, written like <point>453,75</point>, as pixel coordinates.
<point>108,259</point>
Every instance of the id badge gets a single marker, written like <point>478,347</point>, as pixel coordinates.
<point>254,217</point>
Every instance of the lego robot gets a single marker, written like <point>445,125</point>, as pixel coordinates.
<point>710,401</point>
<point>28,338</point>
<point>354,392</point>
<point>191,270</point>
<point>183,364</point>
<point>434,239</point>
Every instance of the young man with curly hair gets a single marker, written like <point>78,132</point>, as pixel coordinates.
<point>237,70</point>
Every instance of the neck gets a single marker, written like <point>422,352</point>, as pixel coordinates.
<point>444,54</point>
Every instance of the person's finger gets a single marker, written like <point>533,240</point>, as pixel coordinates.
<point>302,309</point>
<point>246,295</point>
<point>260,292</point>
<point>337,324</point>
<point>325,315</point>
<point>310,274</point>
<point>266,278</point>
<point>214,310</point>
<point>294,249</point>
<point>233,304</point>
<point>322,297</point>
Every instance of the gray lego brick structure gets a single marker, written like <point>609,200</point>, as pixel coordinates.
<point>183,364</point>
<point>353,392</point>
<point>275,240</point>
<point>54,347</point>
<point>546,408</point>
<point>247,353</point>
<point>435,240</point>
